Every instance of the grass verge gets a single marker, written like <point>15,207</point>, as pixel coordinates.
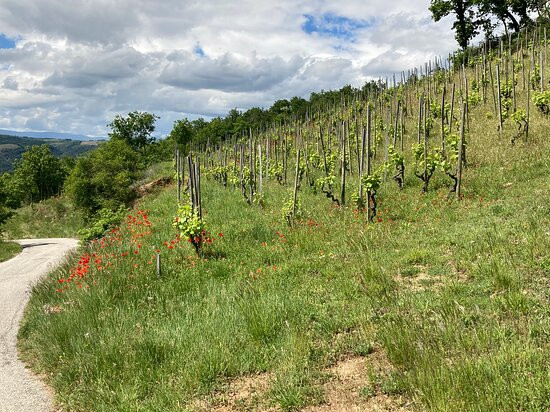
<point>8,250</point>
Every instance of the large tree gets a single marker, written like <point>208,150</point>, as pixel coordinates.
<point>136,129</point>
<point>466,25</point>
<point>104,177</point>
<point>182,132</point>
<point>512,14</point>
<point>37,175</point>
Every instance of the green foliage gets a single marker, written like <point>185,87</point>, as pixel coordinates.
<point>191,226</point>
<point>465,25</point>
<point>290,213</point>
<point>5,214</point>
<point>104,178</point>
<point>101,222</point>
<point>535,78</point>
<point>37,176</point>
<point>135,129</point>
<point>276,171</point>
<point>519,116</point>
<point>542,101</point>
<point>182,133</point>
<point>188,222</point>
<point>420,163</point>
<point>474,98</point>
<point>372,182</point>
<point>435,109</point>
<point>506,90</point>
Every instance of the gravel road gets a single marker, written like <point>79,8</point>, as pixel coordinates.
<point>20,390</point>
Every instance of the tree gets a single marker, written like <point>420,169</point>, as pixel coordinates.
<point>182,132</point>
<point>466,25</point>
<point>136,129</point>
<point>514,13</point>
<point>37,175</point>
<point>104,178</point>
<point>5,211</point>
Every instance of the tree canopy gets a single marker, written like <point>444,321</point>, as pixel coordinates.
<point>136,129</point>
<point>474,16</point>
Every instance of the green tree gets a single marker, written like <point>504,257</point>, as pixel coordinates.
<point>466,25</point>
<point>37,175</point>
<point>5,196</point>
<point>511,13</point>
<point>136,129</point>
<point>182,133</point>
<point>104,178</point>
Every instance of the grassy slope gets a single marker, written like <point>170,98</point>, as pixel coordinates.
<point>456,295</point>
<point>54,217</point>
<point>57,217</point>
<point>8,250</point>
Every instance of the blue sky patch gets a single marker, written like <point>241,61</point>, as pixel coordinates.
<point>331,25</point>
<point>6,42</point>
<point>199,51</point>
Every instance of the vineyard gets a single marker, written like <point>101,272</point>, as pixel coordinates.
<point>389,251</point>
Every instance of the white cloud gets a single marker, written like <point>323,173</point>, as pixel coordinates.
<point>79,63</point>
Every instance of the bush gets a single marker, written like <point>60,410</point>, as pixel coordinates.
<point>103,179</point>
<point>104,220</point>
<point>38,175</point>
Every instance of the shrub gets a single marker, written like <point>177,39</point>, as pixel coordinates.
<point>103,179</point>
<point>103,220</point>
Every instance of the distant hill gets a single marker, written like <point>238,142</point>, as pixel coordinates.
<point>49,135</point>
<point>11,148</point>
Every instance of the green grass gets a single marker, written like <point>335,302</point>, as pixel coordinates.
<point>455,294</point>
<point>8,250</point>
<point>55,217</point>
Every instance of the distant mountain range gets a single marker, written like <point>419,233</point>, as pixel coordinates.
<point>49,135</point>
<point>12,147</point>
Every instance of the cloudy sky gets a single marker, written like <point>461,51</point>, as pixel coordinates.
<point>72,65</point>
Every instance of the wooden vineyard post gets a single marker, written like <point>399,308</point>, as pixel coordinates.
<point>343,192</point>
<point>323,149</point>
<point>369,166</point>
<point>241,165</point>
<point>197,180</point>
<point>425,189</point>
<point>402,130</point>
<point>420,108</point>
<point>296,176</point>
<point>285,157</point>
<point>251,166</point>
<point>386,142</point>
<point>527,111</point>
<point>396,123</point>
<point>267,148</point>
<point>158,266</point>
<point>443,120</point>
<point>178,173</point>
<point>452,107</point>
<point>361,165</point>
<point>261,173</point>
<point>460,153</point>
<point>499,101</point>
<point>493,89</point>
<point>191,182</point>
<point>541,70</point>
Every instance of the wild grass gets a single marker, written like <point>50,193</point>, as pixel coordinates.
<point>54,217</point>
<point>456,294</point>
<point>8,250</point>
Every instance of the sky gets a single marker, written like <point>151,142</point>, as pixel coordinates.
<point>72,65</point>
